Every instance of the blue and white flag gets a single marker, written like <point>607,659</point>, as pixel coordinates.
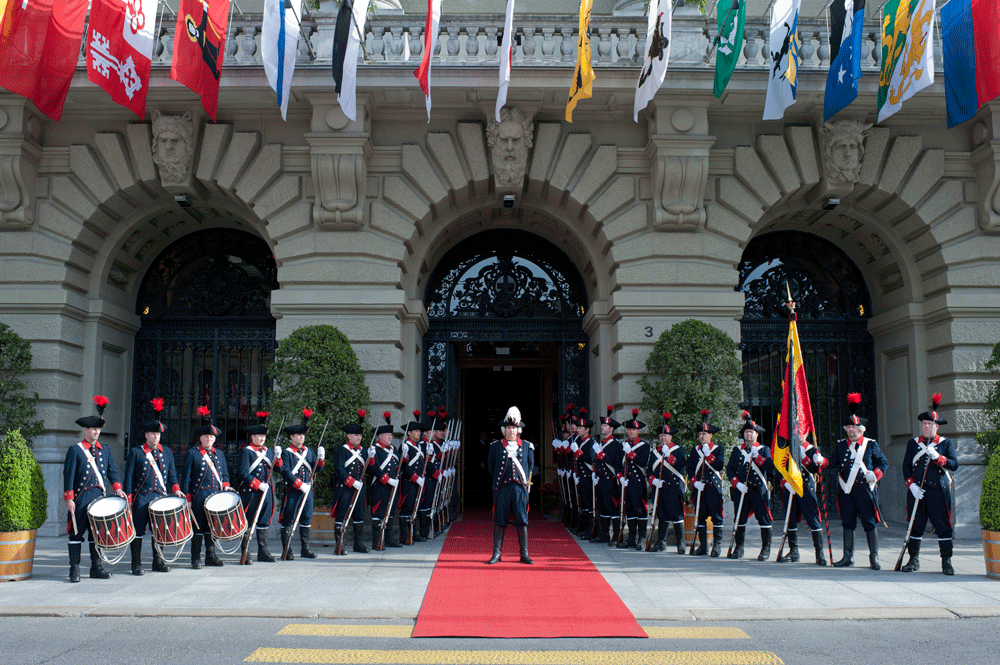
<point>846,25</point>
<point>506,55</point>
<point>784,49</point>
<point>279,39</point>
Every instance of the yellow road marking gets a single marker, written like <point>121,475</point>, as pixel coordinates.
<point>388,631</point>
<point>439,657</point>
<point>695,633</point>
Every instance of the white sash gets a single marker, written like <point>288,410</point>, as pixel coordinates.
<point>355,454</point>
<point>517,464</point>
<point>857,466</point>
<point>211,465</point>
<point>923,449</point>
<point>388,458</point>
<point>748,459</point>
<point>301,459</point>
<point>156,470</point>
<point>663,460</point>
<point>261,457</point>
<point>418,448</point>
<point>701,460</point>
<point>93,466</point>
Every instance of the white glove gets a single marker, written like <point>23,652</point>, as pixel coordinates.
<point>574,447</point>
<point>576,479</point>
<point>870,476</point>
<point>371,451</point>
<point>263,487</point>
<point>817,459</point>
<point>393,481</point>
<point>933,453</point>
<point>916,491</point>
<point>624,481</point>
<point>627,448</point>
<point>277,452</point>
<point>305,487</point>
<point>358,485</point>
<point>321,453</point>
<point>557,444</point>
<point>700,486</point>
<point>597,447</point>
<point>742,487</point>
<point>657,482</point>
<point>420,481</point>
<point>755,452</point>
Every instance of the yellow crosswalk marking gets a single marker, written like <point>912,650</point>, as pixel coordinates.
<point>388,631</point>
<point>457,657</point>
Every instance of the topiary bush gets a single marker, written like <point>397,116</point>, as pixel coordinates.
<point>989,502</point>
<point>23,499</point>
<point>316,368</point>
<point>17,408</point>
<point>989,438</point>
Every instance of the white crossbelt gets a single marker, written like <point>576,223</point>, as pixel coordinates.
<point>261,457</point>
<point>156,470</point>
<point>355,454</point>
<point>924,449</point>
<point>93,466</point>
<point>748,459</point>
<point>856,467</point>
<point>388,458</point>
<point>511,449</point>
<point>211,465</point>
<point>662,460</point>
<point>301,459</point>
<point>701,461</point>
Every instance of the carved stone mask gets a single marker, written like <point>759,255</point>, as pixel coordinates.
<point>844,149</point>
<point>173,145</point>
<point>509,141</point>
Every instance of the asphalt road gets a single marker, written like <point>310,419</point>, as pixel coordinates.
<point>183,640</point>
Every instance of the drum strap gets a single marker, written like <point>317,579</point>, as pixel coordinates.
<point>748,460</point>
<point>156,470</point>
<point>857,466</point>
<point>301,459</point>
<point>93,466</point>
<point>261,457</point>
<point>215,472</point>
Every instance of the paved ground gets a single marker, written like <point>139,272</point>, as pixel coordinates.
<point>391,585</point>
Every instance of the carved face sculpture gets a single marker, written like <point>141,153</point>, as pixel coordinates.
<point>173,145</point>
<point>844,150</point>
<point>509,142</point>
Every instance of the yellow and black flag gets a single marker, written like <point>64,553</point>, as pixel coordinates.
<point>795,422</point>
<point>582,86</point>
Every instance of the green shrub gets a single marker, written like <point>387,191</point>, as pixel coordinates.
<point>23,499</point>
<point>989,502</point>
<point>989,438</point>
<point>316,368</point>
<point>17,408</point>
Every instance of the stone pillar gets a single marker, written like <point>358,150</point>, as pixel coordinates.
<point>678,155</point>
<point>340,151</point>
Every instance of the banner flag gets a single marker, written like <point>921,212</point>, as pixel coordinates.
<point>654,68</point>
<point>582,86</point>
<point>784,47</point>
<point>423,72</point>
<point>795,421</point>
<point>970,46</point>
<point>279,38</point>
<point>907,53</point>
<point>732,17</point>
<point>846,26</point>
<point>120,50</point>
<point>199,48</point>
<point>506,56</point>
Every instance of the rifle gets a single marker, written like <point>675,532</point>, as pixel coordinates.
<point>437,491</point>
<point>736,520</point>
<point>788,516</point>
<point>652,511</point>
<point>244,556</point>
<point>380,541</point>
<point>697,507</point>
<point>913,515</point>
<point>416,504</point>
<point>457,447</point>
<point>621,518</point>
<point>302,501</point>
<point>339,549</point>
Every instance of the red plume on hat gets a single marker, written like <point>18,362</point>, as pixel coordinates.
<point>666,415</point>
<point>583,410</point>
<point>101,402</point>
<point>361,416</point>
<point>204,411</point>
<point>935,400</point>
<point>263,414</point>
<point>157,403</point>
<point>854,398</point>
<point>746,415</point>
<point>416,413</point>
<point>635,413</point>
<point>306,415</point>
<point>610,408</point>
<point>388,416</point>
<point>704,414</point>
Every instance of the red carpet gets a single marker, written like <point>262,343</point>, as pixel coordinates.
<point>561,595</point>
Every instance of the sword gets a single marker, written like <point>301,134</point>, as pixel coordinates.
<point>913,515</point>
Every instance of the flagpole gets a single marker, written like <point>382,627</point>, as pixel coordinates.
<point>289,5</point>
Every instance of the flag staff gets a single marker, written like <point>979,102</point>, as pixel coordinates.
<point>715,42</point>
<point>288,5</point>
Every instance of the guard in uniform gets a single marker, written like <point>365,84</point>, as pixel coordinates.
<point>608,458</point>
<point>297,463</point>
<point>412,453</point>
<point>926,463</point>
<point>666,474</point>
<point>205,473</point>
<point>436,424</point>
<point>383,467</point>
<point>149,474</point>
<point>749,464</point>
<point>89,472</point>
<point>582,449</point>
<point>350,462</point>
<point>560,448</point>
<point>636,452</point>
<point>703,467</point>
<point>510,462</point>
<point>256,474</point>
<point>806,506</point>
<point>861,467</point>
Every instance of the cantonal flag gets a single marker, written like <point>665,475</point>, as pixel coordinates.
<point>39,48</point>
<point>907,53</point>
<point>120,49</point>
<point>200,47</point>
<point>795,422</point>
<point>970,45</point>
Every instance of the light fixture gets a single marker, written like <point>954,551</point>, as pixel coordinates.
<point>831,203</point>
<point>508,200</point>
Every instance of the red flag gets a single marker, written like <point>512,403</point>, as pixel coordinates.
<point>795,422</point>
<point>39,47</point>
<point>423,72</point>
<point>199,48</point>
<point>120,49</point>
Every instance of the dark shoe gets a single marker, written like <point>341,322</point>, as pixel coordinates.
<point>159,565</point>
<point>285,547</point>
<point>716,541</point>
<point>793,547</point>
<point>135,547</point>
<point>640,541</point>
<point>497,543</point>
<point>391,540</point>
<point>196,551</point>
<point>97,571</point>
<point>628,543</point>
<point>679,532</point>
<point>305,535</point>
<point>848,559</point>
<point>425,525</point>
<point>913,565</point>
<point>818,545</point>
<point>946,547</point>
<point>616,531</point>
<point>661,539</point>
<point>740,539</point>
<point>262,554</point>
<point>702,535</point>
<point>74,561</point>
<point>359,541</point>
<point>765,546</point>
<point>211,558</point>
<point>873,549</point>
<point>522,541</point>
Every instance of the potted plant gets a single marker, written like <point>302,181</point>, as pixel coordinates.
<point>989,502</point>
<point>23,506</point>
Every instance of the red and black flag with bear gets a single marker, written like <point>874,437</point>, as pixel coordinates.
<point>200,47</point>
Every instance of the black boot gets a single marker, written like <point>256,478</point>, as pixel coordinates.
<point>716,541</point>
<point>946,546</point>
<point>913,565</point>
<point>661,538</point>
<point>74,561</point>
<point>196,551</point>
<point>629,543</point>
<point>285,547</point>
<point>793,547</point>
<point>583,533</point>
<point>135,547</point>
<point>211,558</point>
<point>640,543</point>
<point>873,549</point>
<point>497,543</point>
<point>159,565</point>
<point>679,533</point>
<point>765,545</point>
<point>262,554</point>
<point>522,541</point>
<point>425,525</point>
<point>616,530</point>
<point>739,538</point>
<point>702,534</point>
<point>245,545</point>
<point>305,533</point>
<point>359,540</point>
<point>848,560</point>
<point>97,571</point>
<point>818,544</point>
<point>417,536</point>
<point>391,539</point>
<point>404,528</point>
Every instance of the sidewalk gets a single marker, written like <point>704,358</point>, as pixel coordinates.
<point>391,585</point>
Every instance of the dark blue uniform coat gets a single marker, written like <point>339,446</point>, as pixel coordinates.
<point>141,484</point>
<point>198,482</point>
<point>936,503</point>
<point>294,474</point>
<point>635,470</point>
<point>349,464</point>
<point>608,467</point>
<point>859,500</point>
<point>510,487</point>
<point>670,505</point>
<point>251,481</point>
<point>383,466</point>
<point>81,484</point>
<point>740,468</point>
<point>706,469</point>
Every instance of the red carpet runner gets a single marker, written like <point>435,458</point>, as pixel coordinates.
<point>561,595</point>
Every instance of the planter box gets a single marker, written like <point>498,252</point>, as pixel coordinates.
<point>689,526</point>
<point>17,555</point>
<point>991,550</point>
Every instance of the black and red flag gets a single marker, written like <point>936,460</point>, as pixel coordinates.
<point>199,48</point>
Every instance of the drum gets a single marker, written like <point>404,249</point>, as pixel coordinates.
<point>111,522</point>
<point>170,521</point>
<point>226,520</point>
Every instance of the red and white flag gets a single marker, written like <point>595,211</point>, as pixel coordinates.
<point>39,47</point>
<point>423,72</point>
<point>120,49</point>
<point>506,56</point>
<point>200,47</point>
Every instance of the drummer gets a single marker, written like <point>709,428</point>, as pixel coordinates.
<point>205,473</point>
<point>257,463</point>
<point>297,462</point>
<point>149,472</point>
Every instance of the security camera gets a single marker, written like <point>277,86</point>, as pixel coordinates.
<point>508,200</point>
<point>182,200</point>
<point>831,203</point>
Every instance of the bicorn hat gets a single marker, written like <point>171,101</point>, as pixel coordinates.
<point>414,425</point>
<point>206,423</point>
<point>154,424</point>
<point>705,426</point>
<point>387,428</point>
<point>301,428</point>
<point>582,420</point>
<point>635,423</point>
<point>748,423</point>
<point>356,427</point>
<point>666,427</point>
<point>260,427</point>
<point>512,419</point>
<point>853,403</point>
<point>101,402</point>
<point>932,415</point>
<point>608,420</point>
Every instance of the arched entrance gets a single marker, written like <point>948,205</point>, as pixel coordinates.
<point>206,335</point>
<point>505,311</point>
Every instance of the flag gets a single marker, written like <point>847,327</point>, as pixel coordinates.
<point>423,72</point>
<point>345,16</point>
<point>279,38</point>
<point>846,26</point>
<point>795,421</point>
<point>582,86</point>
<point>347,39</point>
<point>730,41</point>
<point>970,43</point>
<point>120,50</point>
<point>506,55</point>
<point>39,47</point>
<point>784,48</point>
<point>199,48</point>
<point>654,67</point>
<point>907,53</point>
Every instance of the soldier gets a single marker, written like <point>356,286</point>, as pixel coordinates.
<point>608,456</point>
<point>636,459</point>
<point>412,453</point>
<point>88,473</point>
<point>256,474</point>
<point>666,473</point>
<point>510,463</point>
<point>806,506</point>
<point>560,448</point>
<point>350,462</point>
<point>583,472</point>
<point>297,462</point>
<point>383,467</point>
<point>149,474</point>
<point>205,473</point>
<point>437,422</point>
<point>747,468</point>
<point>703,467</point>
<point>861,467</point>
<point>929,457</point>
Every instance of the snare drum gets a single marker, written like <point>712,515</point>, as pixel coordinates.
<point>111,522</point>
<point>170,521</point>
<point>226,520</point>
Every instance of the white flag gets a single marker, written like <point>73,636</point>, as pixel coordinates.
<point>279,38</point>
<point>348,96</point>
<point>506,54</point>
<point>784,48</point>
<point>907,53</point>
<point>654,67</point>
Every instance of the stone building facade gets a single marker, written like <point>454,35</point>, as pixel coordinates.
<point>357,217</point>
